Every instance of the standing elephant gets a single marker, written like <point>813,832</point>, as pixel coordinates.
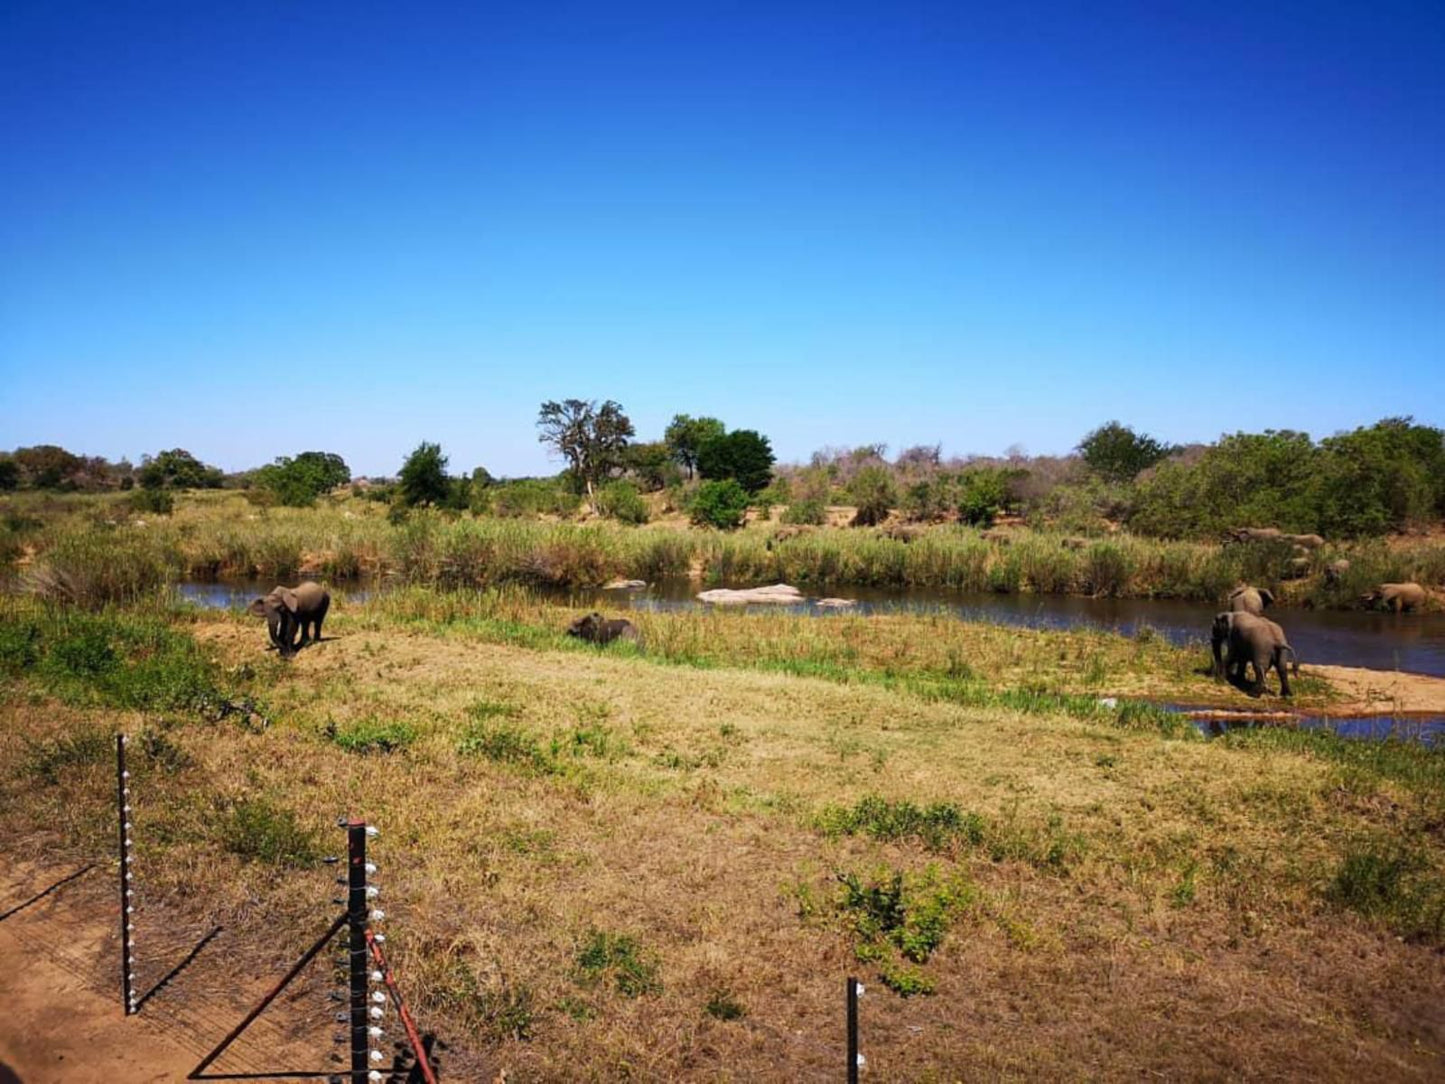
<point>288,610</point>
<point>1253,534</point>
<point>1397,596</point>
<point>1250,600</point>
<point>1251,640</point>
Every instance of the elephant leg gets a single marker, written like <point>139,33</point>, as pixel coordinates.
<point>1261,667</point>
<point>1283,673</point>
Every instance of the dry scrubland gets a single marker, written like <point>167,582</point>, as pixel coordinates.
<point>93,549</point>
<point>611,866</point>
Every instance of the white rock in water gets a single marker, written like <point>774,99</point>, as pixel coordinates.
<point>835,603</point>
<point>779,594</point>
<point>625,585</point>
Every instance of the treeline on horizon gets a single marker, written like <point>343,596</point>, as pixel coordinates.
<point>1373,480</point>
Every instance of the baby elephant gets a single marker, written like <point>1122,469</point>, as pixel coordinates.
<point>289,609</point>
<point>1255,641</point>
<point>596,629</point>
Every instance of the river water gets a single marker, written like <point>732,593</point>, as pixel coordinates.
<point>1379,641</point>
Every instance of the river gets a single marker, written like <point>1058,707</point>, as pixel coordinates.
<point>1376,640</point>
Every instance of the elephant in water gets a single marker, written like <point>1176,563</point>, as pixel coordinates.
<point>596,629</point>
<point>288,610</point>
<point>1251,640</point>
<point>1397,596</point>
<point>1250,600</point>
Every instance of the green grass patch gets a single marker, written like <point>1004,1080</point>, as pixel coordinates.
<point>258,830</point>
<point>1392,882</point>
<point>632,968</point>
<point>374,736</point>
<point>85,747</point>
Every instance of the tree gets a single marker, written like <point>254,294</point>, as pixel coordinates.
<point>298,482</point>
<point>591,438</point>
<point>1118,453</point>
<point>686,435</point>
<point>652,464</point>
<point>743,455</point>
<point>423,478</point>
<point>47,466</point>
<point>9,474</point>
<point>177,469</point>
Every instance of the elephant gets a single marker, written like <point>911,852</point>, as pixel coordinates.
<point>596,629</point>
<point>900,532</point>
<point>1074,543</point>
<point>288,610</point>
<point>1253,534</point>
<point>1335,571</point>
<point>1397,596</point>
<point>1250,600</point>
<point>1306,541</point>
<point>1251,640</point>
<point>1297,568</point>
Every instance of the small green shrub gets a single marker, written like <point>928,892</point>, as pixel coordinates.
<point>809,512</point>
<point>907,913</point>
<point>723,505</point>
<point>505,743</point>
<point>634,970</point>
<point>259,831</point>
<point>622,501</point>
<point>374,736</point>
<point>873,494</point>
<point>158,502</point>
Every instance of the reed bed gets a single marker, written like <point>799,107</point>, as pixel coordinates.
<point>94,551</point>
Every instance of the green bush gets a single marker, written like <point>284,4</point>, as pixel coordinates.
<point>621,501</point>
<point>874,495</point>
<point>982,494</point>
<point>807,512</point>
<point>159,502</point>
<point>723,505</point>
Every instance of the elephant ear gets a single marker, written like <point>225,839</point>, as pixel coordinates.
<point>287,598</point>
<point>1266,596</point>
<point>257,608</point>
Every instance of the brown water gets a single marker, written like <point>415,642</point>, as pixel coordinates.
<point>1377,640</point>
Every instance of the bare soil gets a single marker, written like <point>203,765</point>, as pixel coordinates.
<point>1369,691</point>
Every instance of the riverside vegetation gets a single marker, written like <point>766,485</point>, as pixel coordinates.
<point>95,549</point>
<point>594,875</point>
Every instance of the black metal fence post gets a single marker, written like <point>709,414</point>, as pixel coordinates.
<point>127,911</point>
<point>852,1030</point>
<point>356,922</point>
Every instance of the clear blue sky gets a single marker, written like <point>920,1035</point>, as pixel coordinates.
<point>257,228</point>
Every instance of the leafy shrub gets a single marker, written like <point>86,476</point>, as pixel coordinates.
<point>259,831</point>
<point>927,500</point>
<point>621,501</point>
<point>809,511</point>
<point>723,505</point>
<point>874,494</point>
<point>982,493</point>
<point>157,502</point>
<point>892,911</point>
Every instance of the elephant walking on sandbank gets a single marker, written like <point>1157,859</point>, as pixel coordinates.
<point>289,610</point>
<point>1239,639</point>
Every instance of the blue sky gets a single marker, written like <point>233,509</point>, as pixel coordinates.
<point>259,228</point>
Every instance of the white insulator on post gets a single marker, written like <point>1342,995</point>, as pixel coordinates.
<point>372,892</point>
<point>376,1056</point>
<point>373,831</point>
<point>379,938</point>
<point>378,915</point>
<point>374,1032</point>
<point>377,1013</point>
<point>371,867</point>
<point>377,976</point>
<point>379,998</point>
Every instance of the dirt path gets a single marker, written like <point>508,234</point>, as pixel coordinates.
<point>60,1015</point>
<point>1368,691</point>
<point>57,1029</point>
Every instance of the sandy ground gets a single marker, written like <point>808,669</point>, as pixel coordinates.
<point>1368,691</point>
<point>61,1021</point>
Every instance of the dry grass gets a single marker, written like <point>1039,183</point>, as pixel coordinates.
<point>1144,906</point>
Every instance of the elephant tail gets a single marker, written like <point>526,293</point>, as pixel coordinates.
<point>1293,658</point>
